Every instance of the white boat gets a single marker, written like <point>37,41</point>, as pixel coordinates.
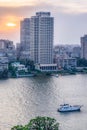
<point>69,108</point>
<point>55,75</point>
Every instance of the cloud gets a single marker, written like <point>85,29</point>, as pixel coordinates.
<point>66,6</point>
<point>16,3</point>
<point>26,9</point>
<point>70,18</point>
<point>70,6</point>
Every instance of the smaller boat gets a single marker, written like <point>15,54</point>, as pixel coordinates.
<point>55,75</point>
<point>69,108</point>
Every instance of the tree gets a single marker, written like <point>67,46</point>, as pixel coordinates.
<point>39,123</point>
<point>18,127</point>
<point>82,62</point>
<point>4,74</point>
<point>30,64</point>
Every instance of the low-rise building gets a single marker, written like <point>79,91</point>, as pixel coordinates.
<point>65,56</point>
<point>65,61</point>
<point>76,52</point>
<point>69,63</point>
<point>19,67</point>
<point>46,67</point>
<point>7,49</point>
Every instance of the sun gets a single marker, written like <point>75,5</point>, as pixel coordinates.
<point>10,24</point>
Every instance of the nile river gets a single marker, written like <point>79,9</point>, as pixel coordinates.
<point>25,98</point>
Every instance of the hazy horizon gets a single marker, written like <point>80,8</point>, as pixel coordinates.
<point>69,18</point>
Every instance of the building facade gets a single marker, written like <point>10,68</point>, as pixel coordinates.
<point>25,38</point>
<point>76,52</point>
<point>7,49</point>
<point>84,47</point>
<point>41,38</point>
<point>65,62</point>
<point>3,63</point>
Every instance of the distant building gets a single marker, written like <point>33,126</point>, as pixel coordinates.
<point>76,52</point>
<point>7,49</point>
<point>66,62</point>
<point>25,38</point>
<point>84,47</point>
<point>3,63</point>
<point>69,63</point>
<point>24,55</point>
<point>69,50</point>
<point>18,50</point>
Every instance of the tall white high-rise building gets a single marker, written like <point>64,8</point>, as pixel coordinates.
<point>41,38</point>
<point>84,47</point>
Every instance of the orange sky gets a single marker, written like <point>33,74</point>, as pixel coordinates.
<point>5,20</point>
<point>7,31</point>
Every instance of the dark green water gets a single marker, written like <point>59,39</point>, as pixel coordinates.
<point>25,98</point>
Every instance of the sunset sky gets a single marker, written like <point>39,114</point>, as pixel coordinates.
<point>70,18</point>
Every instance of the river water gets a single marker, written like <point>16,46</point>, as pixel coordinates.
<point>25,98</point>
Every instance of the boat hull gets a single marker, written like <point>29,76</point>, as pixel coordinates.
<point>68,110</point>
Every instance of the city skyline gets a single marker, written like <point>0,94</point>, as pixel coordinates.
<point>69,18</point>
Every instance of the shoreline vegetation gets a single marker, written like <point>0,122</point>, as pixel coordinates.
<point>14,72</point>
<point>31,72</point>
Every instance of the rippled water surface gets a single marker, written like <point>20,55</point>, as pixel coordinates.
<point>25,98</point>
